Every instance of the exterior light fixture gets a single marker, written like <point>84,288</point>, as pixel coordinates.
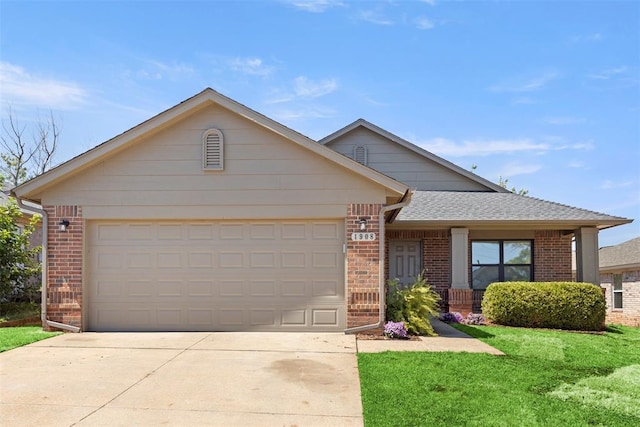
<point>363,224</point>
<point>64,224</point>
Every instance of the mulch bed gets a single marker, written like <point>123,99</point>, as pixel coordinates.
<point>381,336</point>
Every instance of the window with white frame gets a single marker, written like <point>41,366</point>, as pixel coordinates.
<point>501,261</point>
<point>617,291</point>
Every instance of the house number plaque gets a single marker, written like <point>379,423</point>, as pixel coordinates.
<point>360,237</point>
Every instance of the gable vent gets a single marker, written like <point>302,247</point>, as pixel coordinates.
<point>360,155</point>
<point>212,150</point>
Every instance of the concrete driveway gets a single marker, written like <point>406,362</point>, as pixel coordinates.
<point>264,379</point>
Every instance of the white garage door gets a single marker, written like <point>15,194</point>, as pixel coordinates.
<point>223,276</point>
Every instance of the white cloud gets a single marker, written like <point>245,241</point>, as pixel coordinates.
<point>304,112</point>
<point>593,37</point>
<point>576,164</point>
<point>446,147</point>
<point>423,23</point>
<point>18,86</point>
<point>609,73</point>
<point>251,66</point>
<point>563,120</point>
<point>608,184</point>
<point>306,88</point>
<point>430,2</point>
<point>488,147</point>
<point>316,6</point>
<point>517,168</point>
<point>525,84</point>
<point>158,70</point>
<point>375,17</point>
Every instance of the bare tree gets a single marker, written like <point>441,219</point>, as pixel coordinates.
<point>25,155</point>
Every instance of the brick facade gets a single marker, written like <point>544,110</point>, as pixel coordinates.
<point>552,256</point>
<point>64,265</point>
<point>629,314</point>
<point>363,267</point>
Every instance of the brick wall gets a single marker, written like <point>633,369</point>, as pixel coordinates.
<point>551,256</point>
<point>629,314</point>
<point>363,267</point>
<point>64,265</point>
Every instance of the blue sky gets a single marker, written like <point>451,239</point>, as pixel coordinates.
<point>544,93</point>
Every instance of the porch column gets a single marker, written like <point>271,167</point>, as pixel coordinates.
<point>587,261</point>
<point>460,258</point>
<point>460,294</point>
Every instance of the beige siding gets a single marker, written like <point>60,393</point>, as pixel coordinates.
<point>402,164</point>
<point>264,176</point>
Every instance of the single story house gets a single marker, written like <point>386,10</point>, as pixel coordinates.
<point>620,277</point>
<point>213,217</point>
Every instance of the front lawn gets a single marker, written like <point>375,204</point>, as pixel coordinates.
<point>22,335</point>
<point>547,378</point>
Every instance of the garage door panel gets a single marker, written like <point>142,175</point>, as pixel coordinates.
<point>227,276</point>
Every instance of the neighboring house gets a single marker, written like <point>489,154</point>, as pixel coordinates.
<point>620,277</point>
<point>211,216</point>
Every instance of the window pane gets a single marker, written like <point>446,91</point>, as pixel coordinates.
<point>484,276</point>
<point>617,282</point>
<point>517,274</point>
<point>485,252</point>
<point>517,252</point>
<point>617,299</point>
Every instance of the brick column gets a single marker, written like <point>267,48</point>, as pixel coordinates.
<point>363,267</point>
<point>64,265</point>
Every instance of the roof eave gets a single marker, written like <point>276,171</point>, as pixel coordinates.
<point>511,224</point>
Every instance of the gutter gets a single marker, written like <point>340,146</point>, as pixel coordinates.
<point>406,199</point>
<point>45,232</point>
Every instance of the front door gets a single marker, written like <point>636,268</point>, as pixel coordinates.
<point>405,260</point>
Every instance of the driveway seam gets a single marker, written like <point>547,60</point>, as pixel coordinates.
<point>184,350</point>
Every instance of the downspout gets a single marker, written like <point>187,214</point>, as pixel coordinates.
<point>406,199</point>
<point>45,232</point>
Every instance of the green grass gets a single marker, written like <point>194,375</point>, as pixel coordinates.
<point>547,378</point>
<point>11,338</point>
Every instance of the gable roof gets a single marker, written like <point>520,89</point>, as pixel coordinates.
<point>465,208</point>
<point>206,97</point>
<point>412,147</point>
<point>625,254</point>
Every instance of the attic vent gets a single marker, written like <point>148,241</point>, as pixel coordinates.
<point>360,154</point>
<point>212,150</point>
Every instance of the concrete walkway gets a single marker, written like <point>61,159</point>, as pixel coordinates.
<point>448,339</point>
<point>225,379</point>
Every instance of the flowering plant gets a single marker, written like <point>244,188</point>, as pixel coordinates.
<point>395,330</point>
<point>474,319</point>
<point>452,317</point>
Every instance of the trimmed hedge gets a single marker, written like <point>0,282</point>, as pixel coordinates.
<point>557,305</point>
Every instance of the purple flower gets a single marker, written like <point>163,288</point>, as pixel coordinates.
<point>395,330</point>
<point>452,317</point>
<point>474,319</point>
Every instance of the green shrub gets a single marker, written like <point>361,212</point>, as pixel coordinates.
<point>412,305</point>
<point>558,305</point>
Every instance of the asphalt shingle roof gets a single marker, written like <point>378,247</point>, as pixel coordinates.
<point>490,206</point>
<point>626,253</point>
